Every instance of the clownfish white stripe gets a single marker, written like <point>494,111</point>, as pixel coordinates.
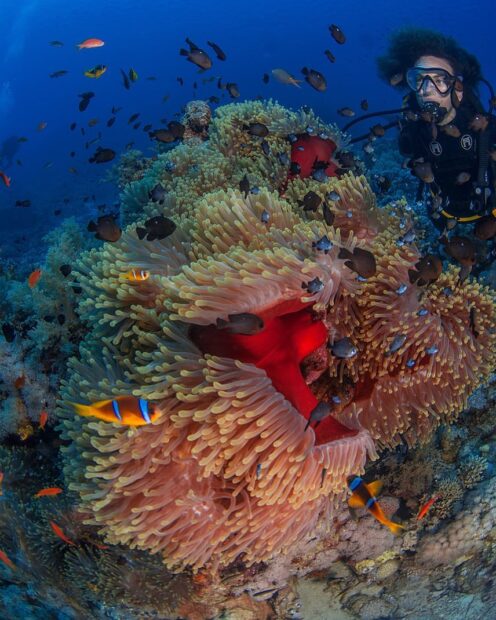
<point>115,407</point>
<point>143,406</point>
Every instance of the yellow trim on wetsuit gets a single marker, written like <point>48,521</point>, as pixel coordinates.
<point>470,218</point>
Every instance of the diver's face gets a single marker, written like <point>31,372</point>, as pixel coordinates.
<point>428,91</point>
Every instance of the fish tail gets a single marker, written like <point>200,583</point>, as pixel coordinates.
<point>83,410</point>
<point>396,528</point>
<point>413,276</point>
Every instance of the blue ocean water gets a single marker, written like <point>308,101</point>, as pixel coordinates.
<point>257,37</point>
<point>146,36</point>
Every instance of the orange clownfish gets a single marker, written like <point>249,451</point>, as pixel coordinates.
<point>426,507</point>
<point>136,275</point>
<point>34,277</point>
<point>364,496</point>
<point>125,410</point>
<point>7,180</point>
<point>49,491</point>
<point>61,534</point>
<point>88,44</point>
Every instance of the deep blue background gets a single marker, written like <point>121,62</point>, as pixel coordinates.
<point>257,37</point>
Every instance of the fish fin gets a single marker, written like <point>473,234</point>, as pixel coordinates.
<point>375,487</point>
<point>304,71</point>
<point>355,502</point>
<point>396,528</point>
<point>82,410</point>
<point>183,52</point>
<point>413,276</point>
<point>191,44</point>
<point>91,225</point>
<point>353,513</point>
<point>349,264</point>
<point>141,232</point>
<point>344,253</point>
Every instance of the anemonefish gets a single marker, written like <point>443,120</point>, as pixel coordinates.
<point>88,44</point>
<point>96,72</point>
<point>125,410</point>
<point>136,275</point>
<point>5,179</point>
<point>364,496</point>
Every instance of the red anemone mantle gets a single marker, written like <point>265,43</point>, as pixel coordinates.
<point>307,150</point>
<point>290,334</point>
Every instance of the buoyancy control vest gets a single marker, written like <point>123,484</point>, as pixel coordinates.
<point>464,172</point>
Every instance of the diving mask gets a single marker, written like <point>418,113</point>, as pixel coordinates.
<point>441,79</point>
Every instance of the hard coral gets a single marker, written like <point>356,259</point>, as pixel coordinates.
<point>228,470</point>
<point>197,118</point>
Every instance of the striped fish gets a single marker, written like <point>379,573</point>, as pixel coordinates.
<point>364,496</point>
<point>136,275</point>
<point>125,410</point>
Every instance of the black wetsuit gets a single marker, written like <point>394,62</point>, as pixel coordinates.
<point>450,157</point>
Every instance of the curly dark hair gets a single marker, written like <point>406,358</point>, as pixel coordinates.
<point>408,44</point>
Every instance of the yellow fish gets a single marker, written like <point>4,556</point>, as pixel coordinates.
<point>125,410</point>
<point>133,76</point>
<point>96,72</point>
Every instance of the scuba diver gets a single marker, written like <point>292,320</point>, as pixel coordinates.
<point>445,132</point>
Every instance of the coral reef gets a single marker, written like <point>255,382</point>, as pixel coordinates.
<point>221,506</point>
<point>46,332</point>
<point>196,119</point>
<point>233,407</point>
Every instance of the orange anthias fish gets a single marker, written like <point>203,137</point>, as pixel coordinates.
<point>88,44</point>
<point>364,496</point>
<point>426,507</point>
<point>61,534</point>
<point>34,277</point>
<point>49,491</point>
<point>125,410</point>
<point>5,179</point>
<point>43,419</point>
<point>6,560</point>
